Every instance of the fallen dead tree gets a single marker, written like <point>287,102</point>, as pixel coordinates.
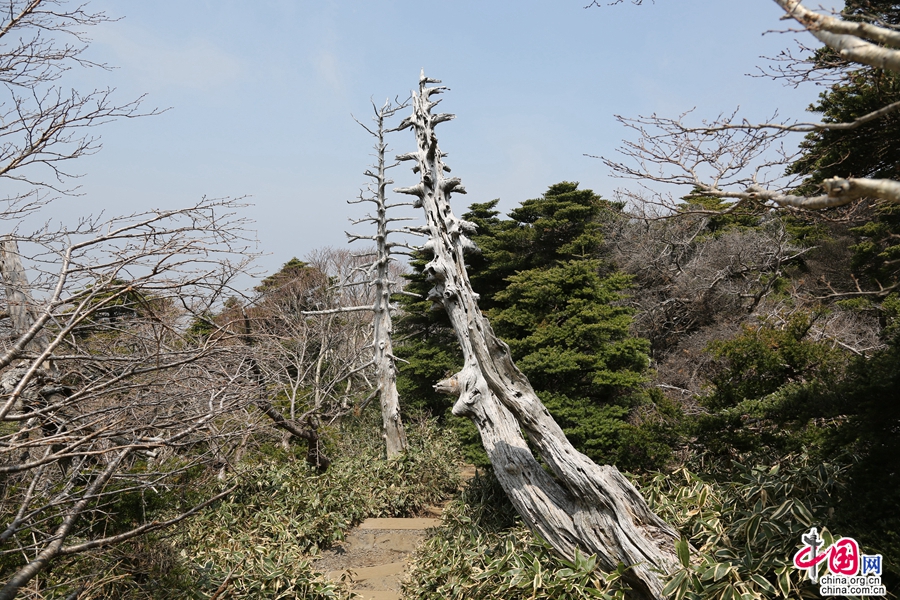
<point>581,505</point>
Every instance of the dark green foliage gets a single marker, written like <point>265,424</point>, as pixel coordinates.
<point>296,287</point>
<point>549,292</point>
<point>876,255</point>
<point>871,150</point>
<point>767,388</point>
<point>568,332</point>
<point>561,308</point>
<point>291,270</point>
<point>201,327</point>
<point>716,224</point>
<point>655,429</point>
<point>870,428</point>
<point>859,411</point>
<point>427,344</point>
<point>564,224</point>
<point>426,341</point>
<point>777,391</point>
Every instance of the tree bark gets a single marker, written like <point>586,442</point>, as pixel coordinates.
<point>40,562</point>
<point>26,326</point>
<point>394,433</point>
<point>383,354</point>
<point>847,38</point>
<point>580,505</point>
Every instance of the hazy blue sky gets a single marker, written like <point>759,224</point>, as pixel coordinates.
<point>262,93</point>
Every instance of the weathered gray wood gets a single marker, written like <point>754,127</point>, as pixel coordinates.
<point>386,371</point>
<point>28,331</point>
<point>26,326</point>
<point>379,273</point>
<point>16,282</point>
<point>581,505</point>
<point>383,358</point>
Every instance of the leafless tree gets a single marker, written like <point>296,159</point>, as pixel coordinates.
<point>689,276</point>
<point>380,277</point>
<point>581,505</point>
<point>104,391</point>
<point>376,274</point>
<point>307,345</point>
<point>701,276</point>
<point>43,126</point>
<point>731,158</point>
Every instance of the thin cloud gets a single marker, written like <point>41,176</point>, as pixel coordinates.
<point>156,63</point>
<point>328,68</point>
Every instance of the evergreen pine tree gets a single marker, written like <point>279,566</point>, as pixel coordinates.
<point>562,308</point>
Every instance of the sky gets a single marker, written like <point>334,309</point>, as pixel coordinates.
<point>261,96</point>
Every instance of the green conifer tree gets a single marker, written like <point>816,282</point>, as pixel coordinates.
<point>561,307</point>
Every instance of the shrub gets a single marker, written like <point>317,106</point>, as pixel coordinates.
<point>261,536</point>
<point>484,551</point>
<point>745,531</point>
<point>258,541</point>
<point>740,532</point>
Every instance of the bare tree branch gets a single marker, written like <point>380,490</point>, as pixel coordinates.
<point>734,159</point>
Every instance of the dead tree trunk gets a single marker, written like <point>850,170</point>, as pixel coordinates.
<point>385,369</point>
<point>581,505</point>
<point>22,317</point>
<point>379,273</point>
<point>28,330</point>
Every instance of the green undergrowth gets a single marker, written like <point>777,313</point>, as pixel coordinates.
<point>739,534</point>
<point>744,528</point>
<point>260,541</point>
<point>484,551</point>
<point>283,512</point>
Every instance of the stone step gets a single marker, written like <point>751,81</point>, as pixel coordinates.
<point>419,523</point>
<point>364,574</point>
<point>382,539</point>
<point>404,541</point>
<point>384,577</point>
<point>378,594</point>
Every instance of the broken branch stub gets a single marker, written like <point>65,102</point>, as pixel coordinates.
<point>385,369</point>
<point>382,284</point>
<point>582,505</point>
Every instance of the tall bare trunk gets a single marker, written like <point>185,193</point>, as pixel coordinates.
<point>581,505</point>
<point>383,359</point>
<point>395,435</point>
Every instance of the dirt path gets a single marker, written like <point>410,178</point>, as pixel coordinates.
<point>374,556</point>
